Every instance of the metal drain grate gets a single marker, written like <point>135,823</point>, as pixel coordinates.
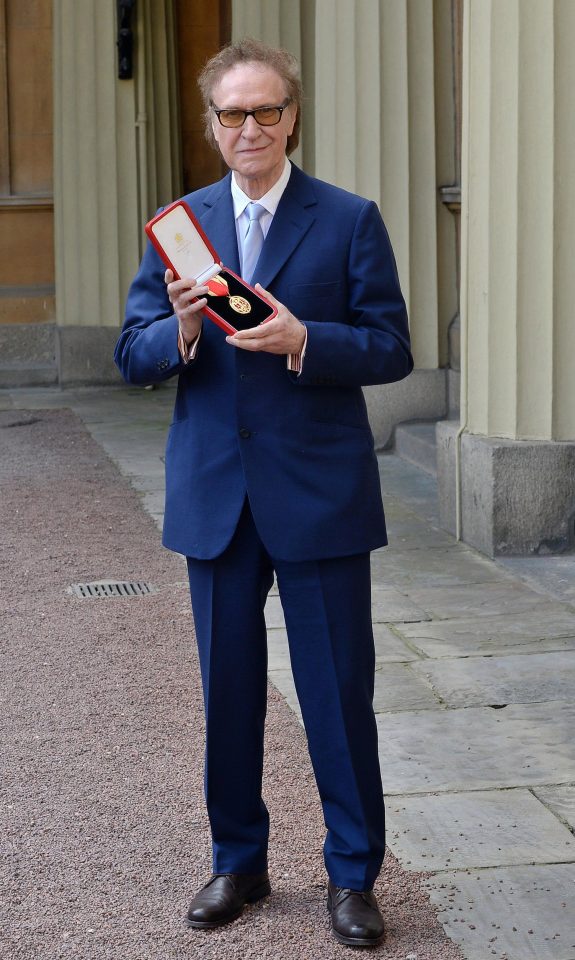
<point>106,589</point>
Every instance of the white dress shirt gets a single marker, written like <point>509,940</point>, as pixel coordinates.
<point>269,202</point>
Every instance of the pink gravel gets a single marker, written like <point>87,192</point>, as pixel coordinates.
<point>104,833</point>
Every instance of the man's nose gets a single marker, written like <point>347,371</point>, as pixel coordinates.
<point>251,128</point>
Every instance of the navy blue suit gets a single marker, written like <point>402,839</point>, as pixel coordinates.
<point>280,468</point>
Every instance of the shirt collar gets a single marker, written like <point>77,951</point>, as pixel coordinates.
<point>269,201</point>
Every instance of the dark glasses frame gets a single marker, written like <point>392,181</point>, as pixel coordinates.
<point>278,111</point>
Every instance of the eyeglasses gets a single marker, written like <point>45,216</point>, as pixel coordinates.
<point>265,116</point>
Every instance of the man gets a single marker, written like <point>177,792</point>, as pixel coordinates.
<point>270,467</point>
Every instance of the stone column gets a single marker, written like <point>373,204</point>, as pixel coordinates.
<point>516,476</point>
<point>277,22</point>
<point>369,125</point>
<point>375,135</point>
<point>113,157</point>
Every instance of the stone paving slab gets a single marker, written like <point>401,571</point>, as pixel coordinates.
<point>478,748</point>
<point>153,502</point>
<point>442,567</point>
<point>550,627</point>
<point>477,681</point>
<point>140,458</point>
<point>148,484</point>
<point>112,411</point>
<point>509,913</point>
<point>389,648</point>
<point>278,650</point>
<point>410,532</point>
<point>274,613</point>
<point>388,605</point>
<point>409,485</point>
<point>143,465</point>
<point>97,403</point>
<point>397,509</point>
<point>451,831</point>
<point>397,688</point>
<point>561,800</point>
<point>553,574</point>
<point>477,599</point>
<point>143,427</point>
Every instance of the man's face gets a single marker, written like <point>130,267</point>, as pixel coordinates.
<point>256,153</point>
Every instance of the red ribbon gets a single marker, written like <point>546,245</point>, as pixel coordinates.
<point>218,287</point>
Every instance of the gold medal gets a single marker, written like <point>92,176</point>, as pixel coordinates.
<point>240,305</point>
<point>218,287</point>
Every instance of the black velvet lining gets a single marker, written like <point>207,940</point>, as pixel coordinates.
<point>260,311</point>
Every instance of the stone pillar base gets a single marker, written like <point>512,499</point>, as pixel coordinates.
<point>517,496</point>
<point>86,355</point>
<point>28,355</point>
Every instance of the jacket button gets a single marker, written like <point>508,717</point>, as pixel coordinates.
<point>245,434</point>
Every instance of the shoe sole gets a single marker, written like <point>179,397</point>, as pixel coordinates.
<point>258,894</point>
<point>356,941</point>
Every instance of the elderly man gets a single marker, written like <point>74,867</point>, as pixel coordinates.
<point>270,467</point>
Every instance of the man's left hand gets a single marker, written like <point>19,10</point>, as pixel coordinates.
<point>284,334</point>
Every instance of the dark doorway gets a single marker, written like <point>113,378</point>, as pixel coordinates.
<point>202,27</point>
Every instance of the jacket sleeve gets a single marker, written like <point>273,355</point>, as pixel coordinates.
<point>147,349</point>
<point>373,346</point>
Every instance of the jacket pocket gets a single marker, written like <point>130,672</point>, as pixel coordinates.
<point>315,291</point>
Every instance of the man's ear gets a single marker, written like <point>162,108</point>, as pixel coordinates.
<point>215,126</point>
<point>293,108</point>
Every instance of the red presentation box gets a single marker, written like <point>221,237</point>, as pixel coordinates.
<point>185,249</point>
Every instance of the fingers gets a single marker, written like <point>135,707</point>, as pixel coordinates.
<point>270,328</point>
<point>256,333</point>
<point>256,343</point>
<point>284,334</point>
<point>186,296</point>
<point>269,296</point>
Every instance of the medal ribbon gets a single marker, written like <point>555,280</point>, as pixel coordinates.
<point>218,287</point>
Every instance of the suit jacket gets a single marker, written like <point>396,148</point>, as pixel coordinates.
<point>300,447</point>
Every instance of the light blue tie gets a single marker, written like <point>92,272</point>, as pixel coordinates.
<point>253,241</point>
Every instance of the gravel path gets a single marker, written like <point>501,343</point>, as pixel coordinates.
<point>104,837</point>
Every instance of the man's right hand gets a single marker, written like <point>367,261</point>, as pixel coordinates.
<point>189,314</point>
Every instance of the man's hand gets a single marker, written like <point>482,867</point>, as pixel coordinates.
<point>284,334</point>
<point>181,294</point>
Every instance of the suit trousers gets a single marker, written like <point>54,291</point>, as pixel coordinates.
<point>327,608</point>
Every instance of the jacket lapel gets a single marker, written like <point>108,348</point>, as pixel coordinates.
<point>217,219</point>
<point>293,218</point>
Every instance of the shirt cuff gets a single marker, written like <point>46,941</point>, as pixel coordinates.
<point>295,360</point>
<point>188,350</point>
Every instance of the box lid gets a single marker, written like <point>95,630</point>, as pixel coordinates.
<point>183,241</point>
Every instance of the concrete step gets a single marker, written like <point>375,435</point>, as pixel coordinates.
<point>415,442</point>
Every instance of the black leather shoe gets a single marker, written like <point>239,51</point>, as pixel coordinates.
<point>355,916</point>
<point>224,897</point>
